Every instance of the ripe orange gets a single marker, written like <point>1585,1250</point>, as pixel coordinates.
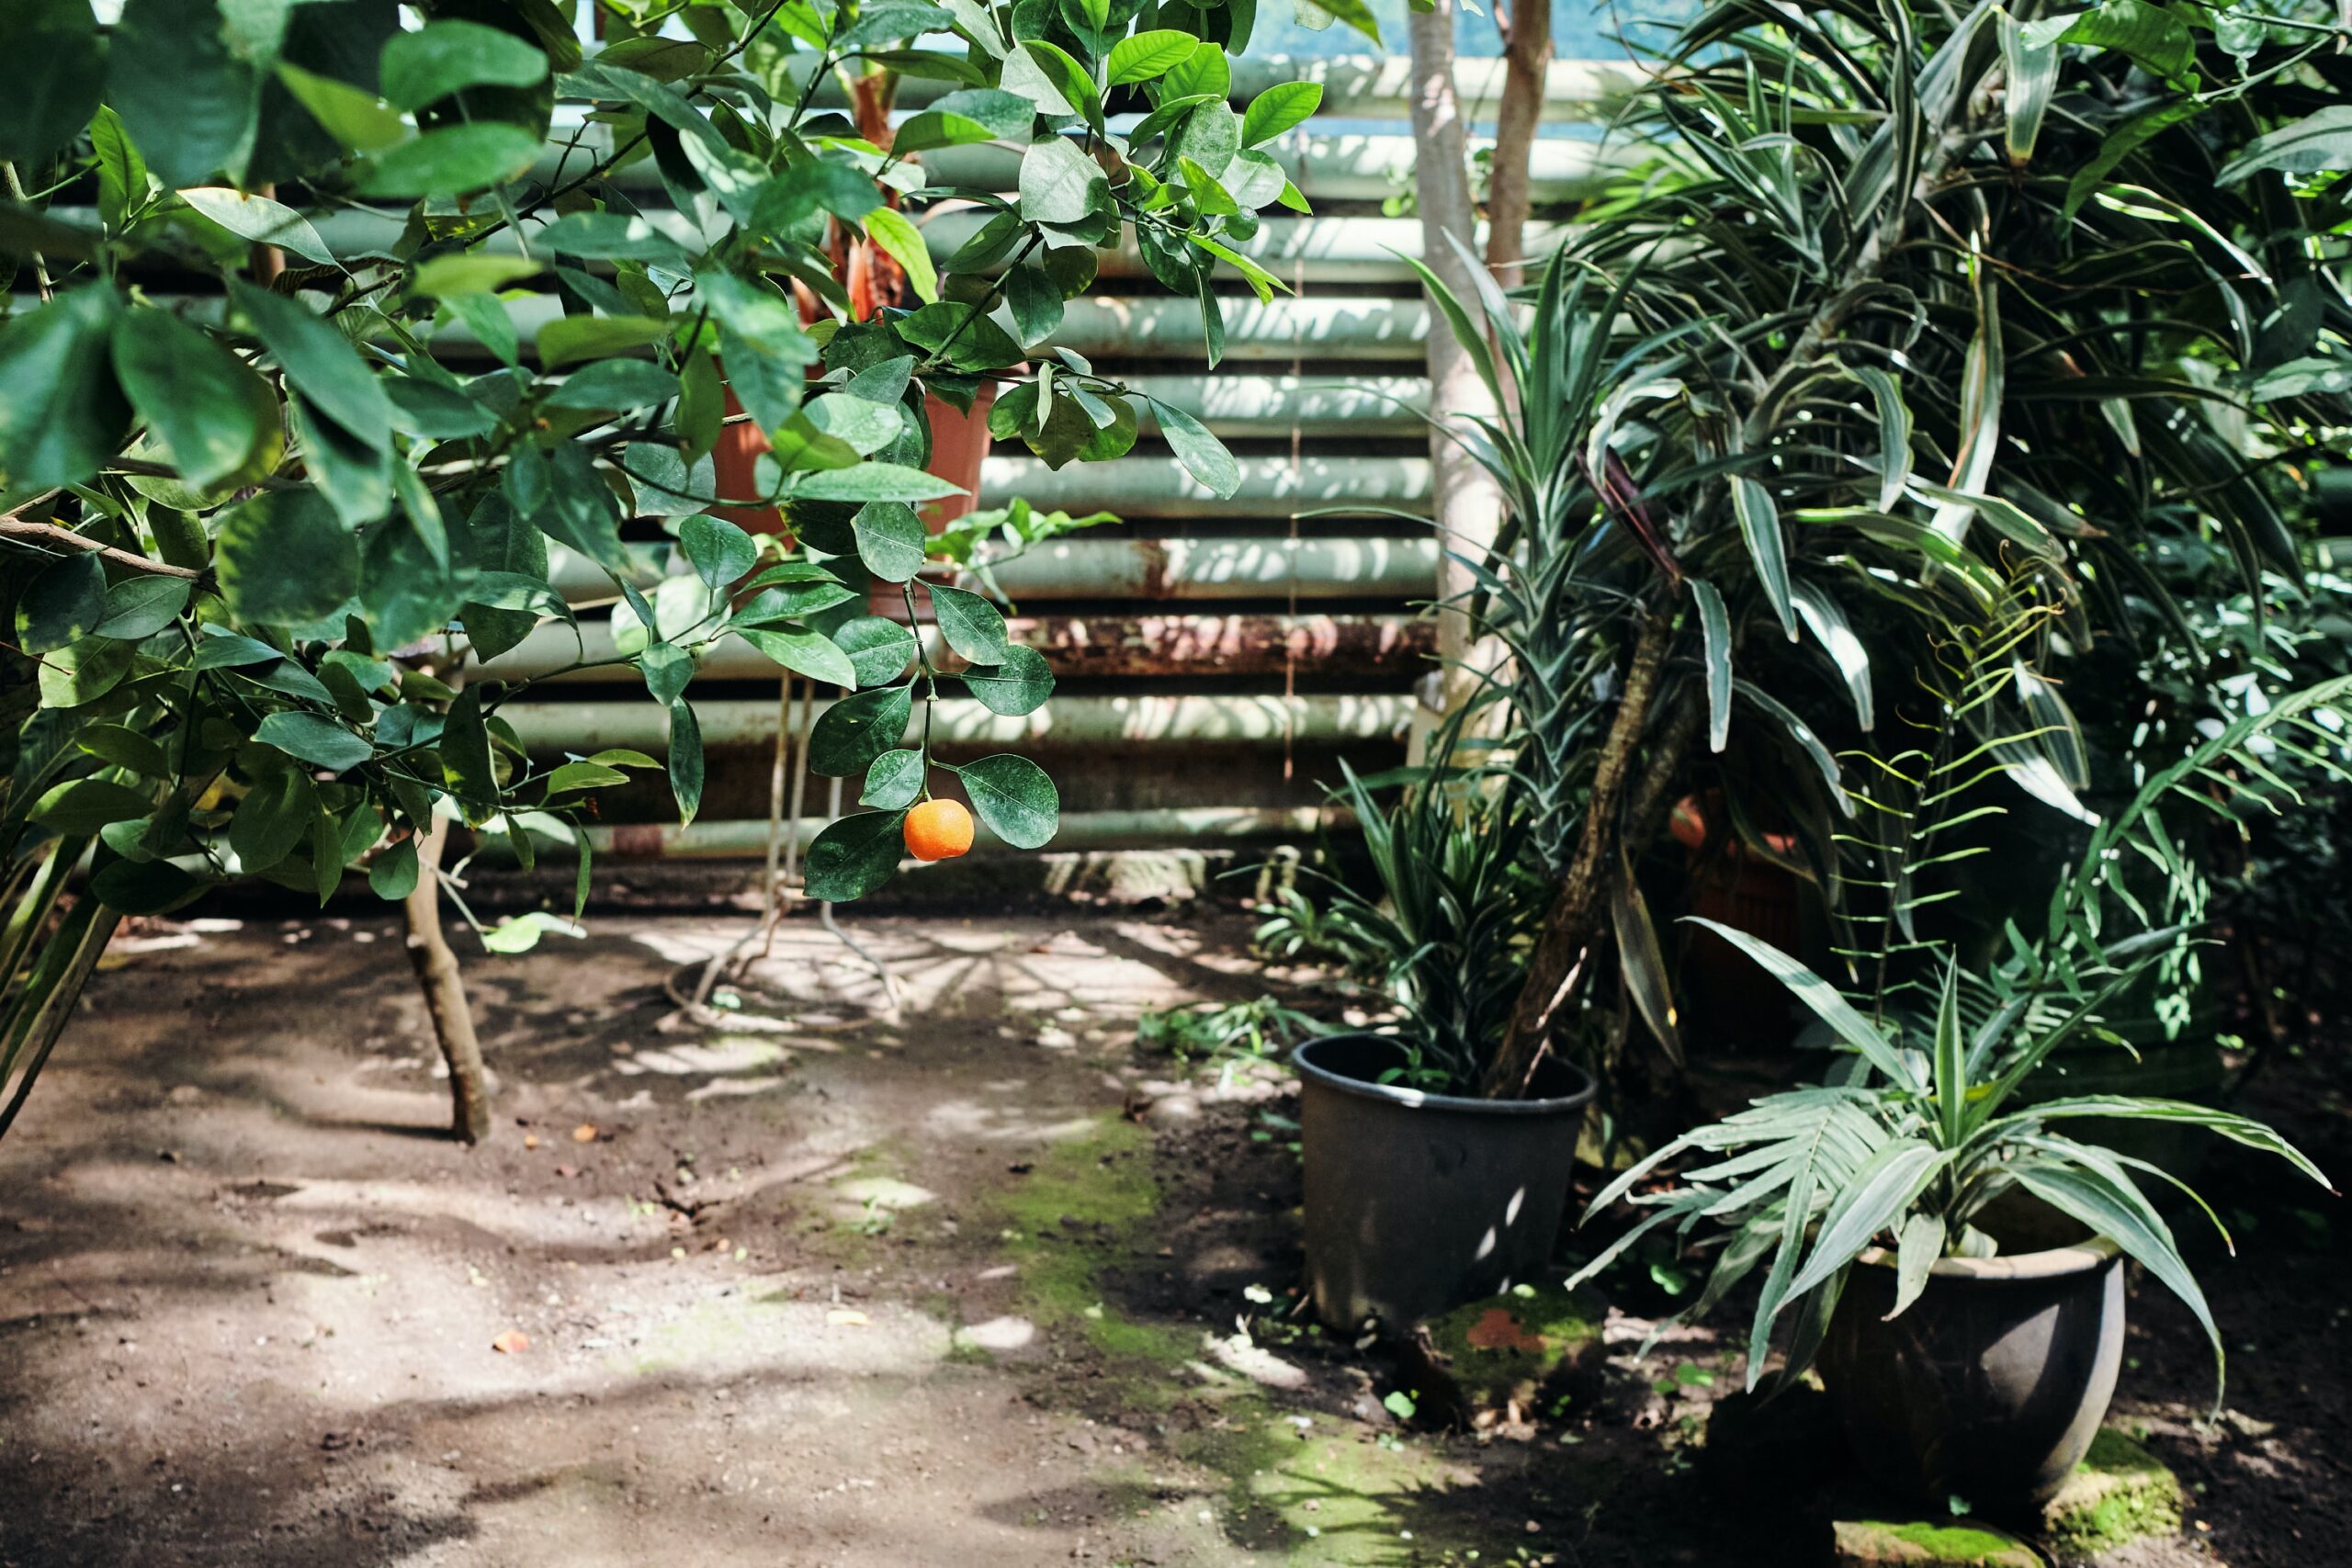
<point>938,829</point>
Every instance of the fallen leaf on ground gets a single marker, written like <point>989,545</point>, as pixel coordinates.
<point>847,1317</point>
<point>1498,1330</point>
<point>514,1342</point>
<point>585,1134</point>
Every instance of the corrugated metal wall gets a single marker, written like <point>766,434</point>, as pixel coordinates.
<point>1214,657</point>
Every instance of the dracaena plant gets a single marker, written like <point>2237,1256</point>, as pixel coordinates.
<point>1929,1120</point>
<point>275,467</point>
<point>1891,298</point>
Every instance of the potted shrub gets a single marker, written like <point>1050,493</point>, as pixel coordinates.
<point>1946,1251</point>
<point>1420,1195</point>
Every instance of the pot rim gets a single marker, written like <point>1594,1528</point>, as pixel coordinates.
<point>1419,1100</point>
<point>2051,1263</point>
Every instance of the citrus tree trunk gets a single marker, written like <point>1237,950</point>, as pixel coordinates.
<point>1527,60</point>
<point>435,963</point>
<point>1467,506</point>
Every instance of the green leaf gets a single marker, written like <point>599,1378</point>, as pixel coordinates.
<point>82,806</point>
<point>891,539</point>
<point>857,729</point>
<point>606,236</point>
<point>62,603</point>
<point>1202,455</point>
<point>285,558</point>
<point>2319,143</point>
<point>145,887</point>
<point>614,385</point>
<point>874,481</point>
<point>1067,78</point>
<point>206,403</point>
<point>898,239</point>
<point>855,855</point>
<point>1149,54</point>
<point>1059,184</point>
<point>1760,526</point>
<point>320,362</point>
<point>1876,1196</point>
<point>84,672</point>
<point>452,160</point>
<point>1034,301</point>
<point>1279,108</point>
<point>720,552</point>
<point>1206,72</point>
<point>310,738</point>
<point>444,57</point>
<point>1918,1245</point>
<point>124,182</point>
<point>1014,799</point>
<point>2176,1112</point>
<point>520,933</point>
<point>1715,624</point>
<point>686,759</point>
<point>185,96</point>
<point>973,627</point>
<point>893,781</point>
<point>667,667</point>
<point>571,338</point>
<point>465,752</point>
<point>2154,36</point>
<point>809,653</point>
<point>124,747</point>
<point>141,606</point>
<point>61,414</point>
<point>55,68</point>
<point>1016,685</point>
<point>394,875</point>
<point>260,219</point>
<point>357,119</point>
<point>880,651</point>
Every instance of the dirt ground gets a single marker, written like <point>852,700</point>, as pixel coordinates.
<point>855,1291</point>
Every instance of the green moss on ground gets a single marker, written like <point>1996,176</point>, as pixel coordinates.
<point>1884,1544</point>
<point>1079,1214</point>
<point>1328,1495</point>
<point>1508,1347</point>
<point>2121,1494</point>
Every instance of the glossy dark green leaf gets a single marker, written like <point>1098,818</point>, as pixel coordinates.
<point>1018,683</point>
<point>188,98</point>
<point>394,875</point>
<point>309,737</point>
<point>318,361</point>
<point>451,160</point>
<point>53,80</point>
<point>855,855</point>
<point>62,413</point>
<point>891,541</point>
<point>207,406</point>
<point>85,806</point>
<point>1059,184</point>
<point>859,728</point>
<point>285,558</point>
<point>1202,455</point>
<point>807,653</point>
<point>720,552</point>
<point>686,759</point>
<point>141,606</point>
<point>1013,798</point>
<point>973,627</point>
<point>444,57</point>
<point>62,603</point>
<point>893,781</point>
<point>880,651</point>
<point>666,667</point>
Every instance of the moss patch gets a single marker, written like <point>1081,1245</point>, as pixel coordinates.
<point>1506,1349</point>
<point>2120,1493</point>
<point>1881,1543</point>
<point>1078,1214</point>
<point>1328,1495</point>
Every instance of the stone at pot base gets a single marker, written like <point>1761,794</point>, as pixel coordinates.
<point>1950,1543</point>
<point>2120,1493</point>
<point>1500,1360</point>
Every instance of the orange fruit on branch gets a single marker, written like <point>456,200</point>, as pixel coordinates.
<point>938,829</point>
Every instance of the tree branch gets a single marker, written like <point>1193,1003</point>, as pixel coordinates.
<point>50,536</point>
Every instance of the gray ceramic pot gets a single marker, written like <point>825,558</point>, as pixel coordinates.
<point>1991,1385</point>
<point>1418,1202</point>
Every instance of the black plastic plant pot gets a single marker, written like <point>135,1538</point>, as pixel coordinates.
<point>1989,1387</point>
<point>1418,1202</point>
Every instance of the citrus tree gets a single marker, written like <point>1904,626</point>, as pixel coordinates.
<point>260,513</point>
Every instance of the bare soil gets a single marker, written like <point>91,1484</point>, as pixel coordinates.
<point>856,1291</point>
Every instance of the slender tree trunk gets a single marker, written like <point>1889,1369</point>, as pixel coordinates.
<point>444,991</point>
<point>1630,791</point>
<point>1527,59</point>
<point>1467,505</point>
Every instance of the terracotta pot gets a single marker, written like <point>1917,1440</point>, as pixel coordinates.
<point>1739,1005</point>
<point>1418,1202</point>
<point>1990,1386</point>
<point>959,445</point>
